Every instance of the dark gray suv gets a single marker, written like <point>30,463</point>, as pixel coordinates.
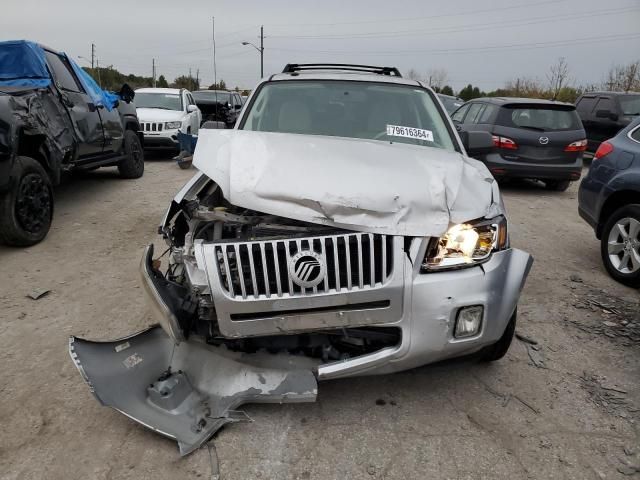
<point>537,139</point>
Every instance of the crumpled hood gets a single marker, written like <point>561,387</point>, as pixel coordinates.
<point>362,185</point>
<point>159,115</point>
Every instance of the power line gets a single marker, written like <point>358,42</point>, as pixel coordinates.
<point>444,15</point>
<point>466,27</point>
<point>473,49</point>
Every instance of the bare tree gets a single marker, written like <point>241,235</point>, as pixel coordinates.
<point>623,78</point>
<point>437,78</point>
<point>413,74</point>
<point>631,78</point>
<point>558,77</point>
<point>524,87</point>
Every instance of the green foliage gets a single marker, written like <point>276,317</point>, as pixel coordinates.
<point>111,79</point>
<point>218,86</point>
<point>186,81</point>
<point>162,82</point>
<point>447,90</point>
<point>469,92</point>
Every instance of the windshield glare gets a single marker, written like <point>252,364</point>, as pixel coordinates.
<point>350,109</point>
<point>165,101</point>
<point>539,117</point>
<point>630,104</point>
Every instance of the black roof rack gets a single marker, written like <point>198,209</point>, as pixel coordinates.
<point>299,67</point>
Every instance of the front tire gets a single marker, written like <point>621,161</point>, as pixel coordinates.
<point>501,347</point>
<point>26,209</point>
<point>620,245</point>
<point>133,164</point>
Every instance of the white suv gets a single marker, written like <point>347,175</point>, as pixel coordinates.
<point>165,111</point>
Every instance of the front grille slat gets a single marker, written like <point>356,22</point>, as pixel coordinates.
<point>264,271</point>
<point>360,265</point>
<point>254,281</point>
<point>372,264</point>
<point>255,269</point>
<point>243,289</point>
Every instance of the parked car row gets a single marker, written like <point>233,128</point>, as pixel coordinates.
<point>164,112</point>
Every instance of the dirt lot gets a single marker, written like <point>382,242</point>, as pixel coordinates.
<point>568,407</point>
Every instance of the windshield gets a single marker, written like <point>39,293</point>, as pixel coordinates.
<point>630,104</point>
<point>450,103</point>
<point>367,110</point>
<point>539,117</point>
<point>210,96</point>
<point>165,101</point>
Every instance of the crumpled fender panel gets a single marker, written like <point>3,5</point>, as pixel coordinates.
<point>192,400</point>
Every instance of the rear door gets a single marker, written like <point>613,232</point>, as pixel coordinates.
<point>84,113</point>
<point>604,128</point>
<point>541,132</point>
<point>586,111</point>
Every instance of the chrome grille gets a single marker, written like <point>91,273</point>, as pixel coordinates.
<point>359,261</point>
<point>151,127</point>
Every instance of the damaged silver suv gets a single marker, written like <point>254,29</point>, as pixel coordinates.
<point>339,230</point>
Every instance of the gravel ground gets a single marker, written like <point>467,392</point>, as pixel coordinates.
<point>568,407</point>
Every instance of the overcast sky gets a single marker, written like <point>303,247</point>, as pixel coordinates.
<point>481,42</point>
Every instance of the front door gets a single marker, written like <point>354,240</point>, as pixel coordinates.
<point>83,111</point>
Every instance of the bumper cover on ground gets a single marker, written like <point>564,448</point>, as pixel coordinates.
<point>191,400</point>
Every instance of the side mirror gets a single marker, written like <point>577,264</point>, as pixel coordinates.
<point>126,93</point>
<point>477,143</point>
<point>238,107</point>
<point>191,108</point>
<point>607,114</point>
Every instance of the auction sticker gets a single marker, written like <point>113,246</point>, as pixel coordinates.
<point>409,132</point>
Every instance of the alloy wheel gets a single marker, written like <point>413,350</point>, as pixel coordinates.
<point>624,245</point>
<point>33,203</point>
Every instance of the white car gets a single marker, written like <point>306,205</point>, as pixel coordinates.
<point>163,112</point>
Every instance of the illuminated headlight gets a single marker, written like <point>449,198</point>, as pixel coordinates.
<point>171,125</point>
<point>466,244</point>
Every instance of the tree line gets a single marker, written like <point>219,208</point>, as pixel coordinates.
<point>558,83</point>
<point>110,78</point>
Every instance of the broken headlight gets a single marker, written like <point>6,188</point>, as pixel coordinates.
<point>466,244</point>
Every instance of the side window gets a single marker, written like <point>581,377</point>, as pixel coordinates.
<point>238,99</point>
<point>190,99</point>
<point>586,104</point>
<point>635,134</point>
<point>459,114</point>
<point>487,113</point>
<point>605,104</point>
<point>62,74</point>
<point>474,113</point>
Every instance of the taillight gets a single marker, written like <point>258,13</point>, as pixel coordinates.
<point>604,149</point>
<point>579,146</point>
<point>504,142</point>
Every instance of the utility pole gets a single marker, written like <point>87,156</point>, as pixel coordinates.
<point>98,67</point>
<point>190,80</point>
<point>153,72</point>
<point>261,51</point>
<point>93,53</point>
<point>197,78</point>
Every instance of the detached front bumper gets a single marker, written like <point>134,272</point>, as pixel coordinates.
<point>187,390</point>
